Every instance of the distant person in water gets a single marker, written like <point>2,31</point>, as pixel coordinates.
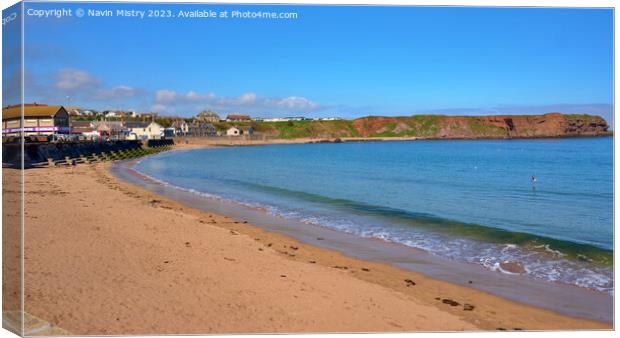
<point>533,182</point>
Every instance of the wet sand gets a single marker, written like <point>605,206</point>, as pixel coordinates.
<point>107,257</point>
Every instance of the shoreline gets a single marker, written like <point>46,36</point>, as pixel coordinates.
<point>241,141</point>
<point>161,268</point>
<point>306,239</point>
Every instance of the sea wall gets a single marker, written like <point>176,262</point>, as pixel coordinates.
<point>39,153</point>
<point>160,143</point>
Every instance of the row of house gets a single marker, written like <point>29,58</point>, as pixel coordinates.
<point>195,128</point>
<point>246,118</point>
<point>212,117</point>
<point>77,111</point>
<point>202,129</point>
<point>152,130</point>
<point>41,119</point>
<point>132,130</point>
<point>204,116</point>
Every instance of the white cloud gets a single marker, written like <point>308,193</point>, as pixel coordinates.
<point>81,88</point>
<point>295,102</point>
<point>159,108</point>
<point>170,101</point>
<point>165,96</point>
<point>118,92</point>
<point>70,79</point>
<point>247,98</point>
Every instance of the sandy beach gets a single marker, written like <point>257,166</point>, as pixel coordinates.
<point>107,257</point>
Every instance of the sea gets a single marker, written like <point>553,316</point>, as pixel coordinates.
<point>544,206</point>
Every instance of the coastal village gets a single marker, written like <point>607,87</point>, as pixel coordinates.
<point>44,122</point>
<point>68,135</point>
<point>54,123</point>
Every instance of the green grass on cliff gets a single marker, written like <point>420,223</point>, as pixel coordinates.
<point>423,126</point>
<point>426,125</point>
<point>479,128</point>
<point>299,129</point>
<point>407,126</point>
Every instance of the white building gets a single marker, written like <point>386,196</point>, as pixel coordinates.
<point>238,131</point>
<point>286,119</point>
<point>233,131</point>
<point>144,130</point>
<point>181,128</point>
<point>277,119</point>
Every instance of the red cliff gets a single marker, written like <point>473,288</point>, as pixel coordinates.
<point>497,126</point>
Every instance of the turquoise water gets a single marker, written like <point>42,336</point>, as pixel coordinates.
<point>470,201</point>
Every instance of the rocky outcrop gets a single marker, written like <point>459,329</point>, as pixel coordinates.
<point>473,127</point>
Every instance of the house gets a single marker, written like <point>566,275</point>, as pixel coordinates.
<point>111,129</point>
<point>39,119</point>
<point>111,113</point>
<point>201,129</point>
<point>181,128</point>
<point>208,116</point>
<point>233,131</point>
<point>238,131</point>
<point>74,110</point>
<point>144,130</point>
<point>83,127</point>
<point>238,118</point>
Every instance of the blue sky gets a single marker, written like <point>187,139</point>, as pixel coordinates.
<point>331,60</point>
